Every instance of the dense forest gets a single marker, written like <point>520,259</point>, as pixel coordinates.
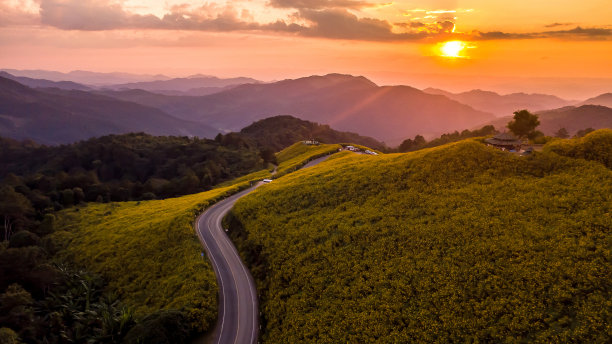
<point>40,179</point>
<point>51,296</point>
<point>458,243</point>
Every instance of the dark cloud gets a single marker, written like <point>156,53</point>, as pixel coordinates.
<point>576,33</point>
<point>342,24</point>
<point>493,35</point>
<point>319,4</point>
<point>557,25</point>
<point>579,32</point>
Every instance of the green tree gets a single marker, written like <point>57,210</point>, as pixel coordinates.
<point>13,208</point>
<point>268,155</point>
<point>67,196</point>
<point>165,326</point>
<point>524,123</point>
<point>16,309</point>
<point>584,132</point>
<point>412,144</point>
<point>23,239</point>
<point>562,133</point>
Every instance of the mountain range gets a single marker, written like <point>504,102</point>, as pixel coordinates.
<point>55,116</point>
<point>602,99</point>
<point>44,83</point>
<point>504,105</point>
<point>197,85</point>
<point>571,118</point>
<point>87,77</point>
<point>204,106</point>
<point>347,103</point>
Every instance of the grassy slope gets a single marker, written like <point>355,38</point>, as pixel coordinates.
<point>298,154</point>
<point>596,146</point>
<point>148,251</point>
<point>259,175</point>
<point>459,243</point>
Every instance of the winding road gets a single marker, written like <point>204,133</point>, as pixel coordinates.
<point>238,321</point>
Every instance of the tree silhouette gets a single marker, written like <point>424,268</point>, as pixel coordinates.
<point>523,124</point>
<point>562,133</point>
<point>13,208</point>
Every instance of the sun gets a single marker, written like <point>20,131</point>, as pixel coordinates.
<point>452,49</point>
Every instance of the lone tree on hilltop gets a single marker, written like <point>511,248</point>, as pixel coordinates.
<point>523,124</point>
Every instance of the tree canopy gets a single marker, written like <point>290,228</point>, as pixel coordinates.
<point>523,124</point>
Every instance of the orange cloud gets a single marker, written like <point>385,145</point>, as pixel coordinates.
<point>332,19</point>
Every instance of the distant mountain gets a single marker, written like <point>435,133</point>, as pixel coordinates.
<point>603,99</point>
<point>571,118</point>
<point>195,85</point>
<point>195,92</point>
<point>348,103</point>
<point>43,83</point>
<point>54,116</point>
<point>86,77</point>
<point>280,132</point>
<point>503,105</point>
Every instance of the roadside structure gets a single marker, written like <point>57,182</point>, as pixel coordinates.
<point>505,141</point>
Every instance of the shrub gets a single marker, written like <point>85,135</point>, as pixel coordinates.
<point>595,146</point>
<point>163,327</point>
<point>23,239</point>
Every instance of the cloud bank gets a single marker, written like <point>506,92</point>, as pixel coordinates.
<point>333,19</point>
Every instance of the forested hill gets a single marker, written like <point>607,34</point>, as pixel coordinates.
<point>280,132</point>
<point>121,168</point>
<point>458,243</point>
<point>140,166</point>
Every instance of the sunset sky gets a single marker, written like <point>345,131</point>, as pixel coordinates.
<point>562,47</point>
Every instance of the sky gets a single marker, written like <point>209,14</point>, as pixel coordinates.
<point>562,47</point>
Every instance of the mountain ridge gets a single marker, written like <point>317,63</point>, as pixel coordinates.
<point>503,105</point>
<point>55,116</point>
<point>185,85</point>
<point>572,118</point>
<point>346,102</point>
<point>44,83</point>
<point>604,99</point>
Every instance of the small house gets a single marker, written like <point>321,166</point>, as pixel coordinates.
<point>505,141</point>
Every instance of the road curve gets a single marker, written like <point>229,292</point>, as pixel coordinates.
<point>238,321</point>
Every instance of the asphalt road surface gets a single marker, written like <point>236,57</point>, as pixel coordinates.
<point>238,321</point>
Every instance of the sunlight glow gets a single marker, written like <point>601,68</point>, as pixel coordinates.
<point>452,49</point>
